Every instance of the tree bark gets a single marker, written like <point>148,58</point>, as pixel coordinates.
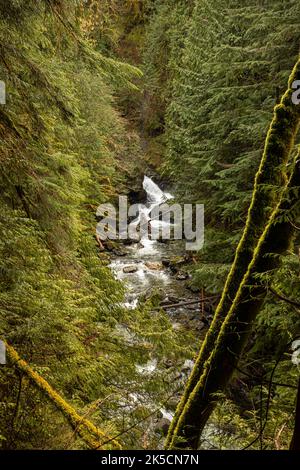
<point>91,434</point>
<point>256,240</point>
<point>219,367</point>
<point>279,142</point>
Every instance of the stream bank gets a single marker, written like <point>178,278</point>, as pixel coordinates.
<point>157,268</point>
<point>157,271</point>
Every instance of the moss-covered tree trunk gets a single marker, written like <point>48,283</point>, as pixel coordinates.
<point>268,181</point>
<point>219,367</point>
<point>242,295</point>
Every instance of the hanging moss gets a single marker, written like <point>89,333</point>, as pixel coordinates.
<point>92,435</point>
<point>269,185</point>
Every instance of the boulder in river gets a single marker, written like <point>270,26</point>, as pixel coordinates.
<point>169,300</point>
<point>175,300</point>
<point>129,241</point>
<point>163,240</point>
<point>176,262</point>
<point>115,248</point>
<point>130,269</point>
<point>166,262</point>
<point>155,294</point>
<point>162,426</point>
<point>154,265</point>
<point>119,252</point>
<point>110,245</point>
<point>182,276</point>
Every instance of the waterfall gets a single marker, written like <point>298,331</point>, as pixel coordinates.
<point>154,194</point>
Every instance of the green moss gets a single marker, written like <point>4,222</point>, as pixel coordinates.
<point>92,435</point>
<point>270,184</point>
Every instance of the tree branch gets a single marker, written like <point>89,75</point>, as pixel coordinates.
<point>284,298</point>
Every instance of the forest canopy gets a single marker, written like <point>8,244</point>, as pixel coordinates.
<point>134,344</point>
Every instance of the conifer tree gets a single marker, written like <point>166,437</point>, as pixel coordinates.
<point>61,141</point>
<point>164,45</point>
<point>233,71</point>
<point>243,294</point>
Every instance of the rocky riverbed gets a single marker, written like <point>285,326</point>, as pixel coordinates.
<point>160,270</point>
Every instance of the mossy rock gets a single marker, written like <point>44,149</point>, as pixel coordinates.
<point>162,426</point>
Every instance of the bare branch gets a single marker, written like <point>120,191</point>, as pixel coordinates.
<point>284,298</point>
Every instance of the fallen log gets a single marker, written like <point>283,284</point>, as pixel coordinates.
<point>190,302</point>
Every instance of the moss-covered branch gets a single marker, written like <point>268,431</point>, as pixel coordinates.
<point>218,368</point>
<point>88,432</point>
<point>270,182</point>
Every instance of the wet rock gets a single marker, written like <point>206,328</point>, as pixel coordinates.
<point>119,252</point>
<point>156,295</point>
<point>192,308</point>
<point>137,194</point>
<point>176,262</point>
<point>140,245</point>
<point>166,262</point>
<point>129,241</point>
<point>110,245</point>
<point>130,269</point>
<point>163,240</point>
<point>169,300</point>
<point>174,300</point>
<point>154,266</point>
<point>173,402</point>
<point>182,276</point>
<point>162,426</point>
<point>115,248</point>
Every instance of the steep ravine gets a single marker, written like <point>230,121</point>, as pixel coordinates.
<point>158,268</point>
<point>148,266</point>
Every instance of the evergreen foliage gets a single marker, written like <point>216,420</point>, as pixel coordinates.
<point>97,93</point>
<point>64,147</point>
<point>231,75</point>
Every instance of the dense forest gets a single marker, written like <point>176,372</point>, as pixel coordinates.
<point>116,343</point>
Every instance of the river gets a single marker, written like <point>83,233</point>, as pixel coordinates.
<point>155,265</point>
<point>148,266</point>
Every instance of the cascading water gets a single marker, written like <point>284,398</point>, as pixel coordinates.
<point>143,272</point>
<point>154,194</point>
<point>144,221</point>
<point>141,266</point>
